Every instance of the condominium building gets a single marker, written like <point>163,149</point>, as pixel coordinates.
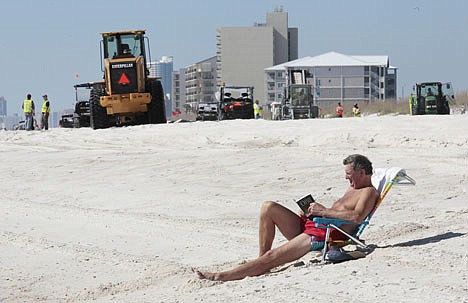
<point>200,82</point>
<point>163,69</point>
<point>337,77</point>
<point>178,91</point>
<point>244,52</point>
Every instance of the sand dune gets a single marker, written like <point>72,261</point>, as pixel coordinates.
<point>123,214</point>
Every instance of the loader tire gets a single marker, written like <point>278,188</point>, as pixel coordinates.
<point>98,114</point>
<point>156,108</point>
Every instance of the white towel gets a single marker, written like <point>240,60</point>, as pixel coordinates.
<point>382,176</point>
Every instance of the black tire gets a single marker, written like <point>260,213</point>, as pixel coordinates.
<point>156,108</point>
<point>98,114</point>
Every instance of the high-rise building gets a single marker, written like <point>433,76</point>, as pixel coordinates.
<point>163,69</point>
<point>3,106</point>
<point>178,91</point>
<point>244,52</point>
<point>200,82</point>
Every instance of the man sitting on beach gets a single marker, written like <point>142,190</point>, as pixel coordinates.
<point>302,235</point>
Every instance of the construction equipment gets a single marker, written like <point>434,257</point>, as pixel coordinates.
<point>208,111</point>
<point>81,115</point>
<point>298,100</point>
<point>128,96</point>
<point>66,121</point>
<point>431,98</point>
<point>232,107</point>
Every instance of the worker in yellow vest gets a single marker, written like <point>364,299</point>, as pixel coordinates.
<point>45,110</point>
<point>257,110</point>
<point>356,110</point>
<point>28,109</point>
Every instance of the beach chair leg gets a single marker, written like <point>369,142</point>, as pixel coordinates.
<point>359,243</point>
<point>324,250</point>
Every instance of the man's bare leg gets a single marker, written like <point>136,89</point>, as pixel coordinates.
<point>288,252</point>
<point>273,214</point>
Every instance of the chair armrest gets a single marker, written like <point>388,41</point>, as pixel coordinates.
<point>319,222</point>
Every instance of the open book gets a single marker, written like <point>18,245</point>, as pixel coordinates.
<point>304,204</point>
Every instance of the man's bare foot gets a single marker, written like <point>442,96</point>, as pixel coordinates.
<point>206,275</point>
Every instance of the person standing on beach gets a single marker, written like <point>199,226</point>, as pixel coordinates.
<point>28,109</point>
<point>257,110</point>
<point>302,235</point>
<point>339,110</point>
<point>356,110</point>
<point>45,110</point>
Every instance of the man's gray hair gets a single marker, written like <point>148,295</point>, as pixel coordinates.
<point>359,162</point>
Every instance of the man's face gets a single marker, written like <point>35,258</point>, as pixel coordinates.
<point>352,176</point>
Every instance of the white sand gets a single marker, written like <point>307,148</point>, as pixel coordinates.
<point>123,214</point>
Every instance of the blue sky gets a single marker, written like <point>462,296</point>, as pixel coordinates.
<point>44,44</point>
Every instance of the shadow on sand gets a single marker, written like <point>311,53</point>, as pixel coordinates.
<point>428,240</point>
<point>371,247</point>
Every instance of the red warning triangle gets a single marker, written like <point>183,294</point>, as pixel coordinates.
<point>123,80</point>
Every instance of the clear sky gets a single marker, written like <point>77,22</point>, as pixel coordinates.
<point>45,44</point>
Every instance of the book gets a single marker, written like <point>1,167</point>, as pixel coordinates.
<point>304,204</point>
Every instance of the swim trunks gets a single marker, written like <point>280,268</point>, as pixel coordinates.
<point>320,233</point>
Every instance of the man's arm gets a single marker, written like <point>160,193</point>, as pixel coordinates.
<point>363,207</point>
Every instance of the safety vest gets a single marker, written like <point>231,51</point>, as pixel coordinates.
<point>257,109</point>
<point>27,106</point>
<point>45,107</point>
<point>356,112</point>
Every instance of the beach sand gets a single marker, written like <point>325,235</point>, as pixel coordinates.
<point>123,214</point>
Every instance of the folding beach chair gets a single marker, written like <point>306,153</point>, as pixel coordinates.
<point>382,179</point>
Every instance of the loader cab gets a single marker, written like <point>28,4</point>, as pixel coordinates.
<point>298,102</point>
<point>301,95</point>
<point>123,45</point>
<point>125,62</point>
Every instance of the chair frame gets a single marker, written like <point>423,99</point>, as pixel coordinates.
<point>401,178</point>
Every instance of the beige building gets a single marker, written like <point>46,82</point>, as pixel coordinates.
<point>200,82</point>
<point>244,52</point>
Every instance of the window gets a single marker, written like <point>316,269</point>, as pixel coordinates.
<point>124,45</point>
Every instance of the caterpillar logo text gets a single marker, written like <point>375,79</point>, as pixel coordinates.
<point>122,65</point>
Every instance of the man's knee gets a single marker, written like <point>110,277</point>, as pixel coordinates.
<point>270,256</point>
<point>267,206</point>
